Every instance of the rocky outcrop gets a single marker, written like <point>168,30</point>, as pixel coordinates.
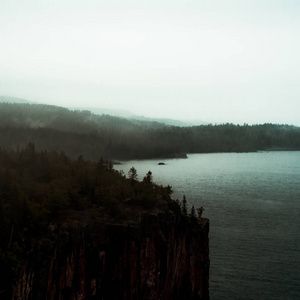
<point>162,256</point>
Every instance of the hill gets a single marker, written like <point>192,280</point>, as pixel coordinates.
<point>92,136</point>
<point>8,99</point>
<point>125,114</point>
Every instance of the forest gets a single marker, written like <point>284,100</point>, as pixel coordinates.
<point>94,136</point>
<point>45,196</point>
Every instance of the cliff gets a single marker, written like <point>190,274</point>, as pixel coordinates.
<point>82,230</point>
<point>160,256</point>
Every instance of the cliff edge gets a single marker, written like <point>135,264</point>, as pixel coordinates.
<point>76,229</point>
<point>161,256</point>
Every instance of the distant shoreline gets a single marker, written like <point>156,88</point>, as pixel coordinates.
<point>281,149</point>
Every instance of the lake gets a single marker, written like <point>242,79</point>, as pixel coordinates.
<point>253,203</point>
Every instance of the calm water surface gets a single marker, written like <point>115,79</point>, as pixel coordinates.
<point>253,203</point>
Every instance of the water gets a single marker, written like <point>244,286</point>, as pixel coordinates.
<point>253,203</point>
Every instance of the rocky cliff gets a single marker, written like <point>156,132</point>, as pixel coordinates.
<point>160,256</point>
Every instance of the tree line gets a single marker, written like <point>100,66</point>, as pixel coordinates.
<point>83,133</point>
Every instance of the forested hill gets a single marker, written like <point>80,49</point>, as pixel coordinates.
<point>92,136</point>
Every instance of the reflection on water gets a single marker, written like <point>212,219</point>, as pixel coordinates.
<point>253,203</point>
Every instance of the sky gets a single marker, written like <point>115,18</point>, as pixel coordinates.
<point>235,61</point>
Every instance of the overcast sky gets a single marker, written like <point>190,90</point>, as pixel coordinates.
<point>213,60</point>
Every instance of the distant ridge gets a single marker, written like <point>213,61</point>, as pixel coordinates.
<point>171,122</point>
<point>113,112</point>
<point>131,116</point>
<point>106,111</point>
<point>82,133</point>
<point>8,99</point>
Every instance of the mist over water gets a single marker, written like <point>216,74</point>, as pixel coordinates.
<point>253,203</point>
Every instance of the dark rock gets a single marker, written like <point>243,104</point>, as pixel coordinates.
<point>163,256</point>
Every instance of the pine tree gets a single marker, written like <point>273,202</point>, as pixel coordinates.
<point>132,174</point>
<point>183,209</point>
<point>200,211</point>
<point>193,212</point>
<point>148,178</point>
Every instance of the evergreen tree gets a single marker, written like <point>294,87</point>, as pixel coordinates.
<point>200,211</point>
<point>193,212</point>
<point>183,208</point>
<point>148,178</point>
<point>132,174</point>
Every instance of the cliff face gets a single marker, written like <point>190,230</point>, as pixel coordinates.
<point>163,256</point>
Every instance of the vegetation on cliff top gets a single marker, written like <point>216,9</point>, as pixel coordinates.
<point>57,128</point>
<point>40,190</point>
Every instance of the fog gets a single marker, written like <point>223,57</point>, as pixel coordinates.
<point>216,61</point>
